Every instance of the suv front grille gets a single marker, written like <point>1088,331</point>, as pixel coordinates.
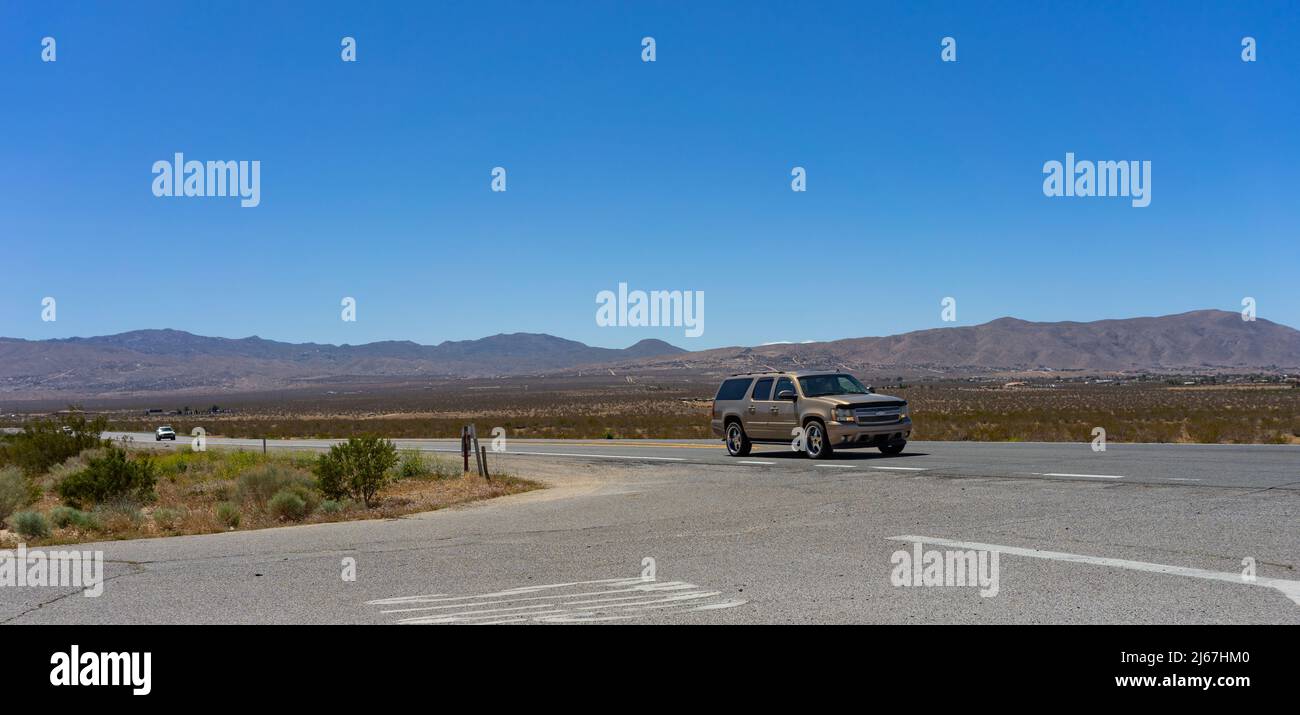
<point>877,414</point>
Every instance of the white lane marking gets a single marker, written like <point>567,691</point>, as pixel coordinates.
<point>1089,476</point>
<point>904,469</point>
<point>837,466</point>
<point>745,461</point>
<point>577,601</point>
<point>725,604</point>
<point>1182,479</point>
<point>1291,589</point>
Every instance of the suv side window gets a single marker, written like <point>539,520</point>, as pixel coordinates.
<point>763,389</point>
<point>734,389</point>
<point>784,383</point>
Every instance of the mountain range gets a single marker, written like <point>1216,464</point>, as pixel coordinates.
<point>1203,340</point>
<point>173,361</point>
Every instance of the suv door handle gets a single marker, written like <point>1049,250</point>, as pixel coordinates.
<point>752,409</point>
<point>775,409</point>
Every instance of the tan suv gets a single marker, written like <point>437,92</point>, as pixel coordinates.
<point>816,411</point>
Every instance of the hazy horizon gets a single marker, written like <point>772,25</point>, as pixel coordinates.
<point>670,341</point>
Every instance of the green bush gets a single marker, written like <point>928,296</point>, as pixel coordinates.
<point>56,474</point>
<point>309,494</point>
<point>412,465</point>
<point>167,519</point>
<point>259,484</point>
<point>81,520</point>
<point>331,506</point>
<point>228,514</point>
<point>44,443</point>
<point>31,525</point>
<point>16,491</point>
<point>112,476</point>
<point>358,468</point>
<point>65,516</point>
<point>118,515</point>
<point>286,504</point>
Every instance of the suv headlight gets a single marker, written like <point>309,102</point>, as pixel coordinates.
<point>844,414</point>
<point>904,412</point>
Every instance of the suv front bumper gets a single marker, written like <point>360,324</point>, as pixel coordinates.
<point>851,434</point>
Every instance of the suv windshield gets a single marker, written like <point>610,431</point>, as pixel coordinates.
<point>820,385</point>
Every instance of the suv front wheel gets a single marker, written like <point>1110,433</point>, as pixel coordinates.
<point>738,444</point>
<point>815,441</point>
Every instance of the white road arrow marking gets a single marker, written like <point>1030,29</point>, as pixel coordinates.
<point>1291,589</point>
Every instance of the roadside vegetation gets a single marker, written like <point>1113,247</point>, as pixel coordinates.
<point>69,486</point>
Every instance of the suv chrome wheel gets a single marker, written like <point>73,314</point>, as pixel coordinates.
<point>738,443</point>
<point>815,442</point>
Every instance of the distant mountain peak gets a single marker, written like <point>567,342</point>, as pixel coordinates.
<point>650,347</point>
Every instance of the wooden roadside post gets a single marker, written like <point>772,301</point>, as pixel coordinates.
<point>468,444</point>
<point>263,445</point>
<point>464,447</point>
<point>483,458</point>
<point>478,456</point>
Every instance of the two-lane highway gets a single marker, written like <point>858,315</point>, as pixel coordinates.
<point>678,532</point>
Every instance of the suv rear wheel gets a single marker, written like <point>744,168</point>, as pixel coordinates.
<point>815,441</point>
<point>738,444</point>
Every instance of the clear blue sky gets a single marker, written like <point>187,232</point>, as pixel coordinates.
<point>924,178</point>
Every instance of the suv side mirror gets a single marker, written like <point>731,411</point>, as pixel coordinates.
<point>787,395</point>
